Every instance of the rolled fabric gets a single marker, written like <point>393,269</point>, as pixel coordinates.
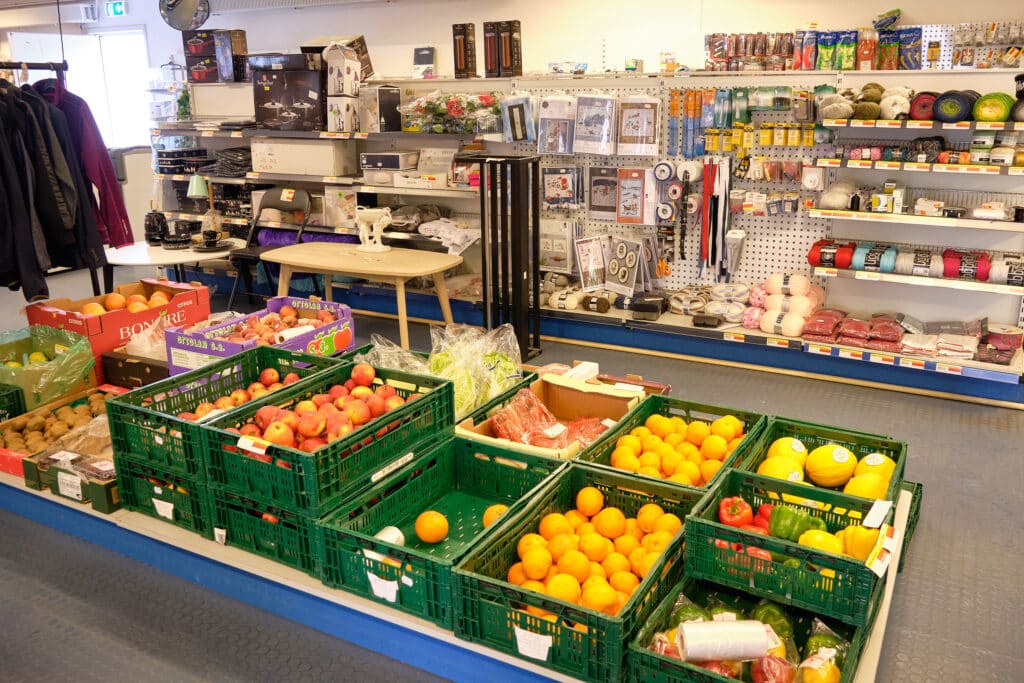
<point>966,265</point>
<point>757,296</point>
<point>801,305</point>
<point>875,257</point>
<point>737,292</point>
<point>831,254</point>
<point>752,317</point>
<point>787,284</point>
<point>731,311</point>
<point>786,324</point>
<point>919,262</point>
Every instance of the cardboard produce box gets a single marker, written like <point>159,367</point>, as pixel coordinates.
<point>187,303</point>
<point>568,399</point>
<point>131,371</point>
<point>45,363</point>
<point>191,349</point>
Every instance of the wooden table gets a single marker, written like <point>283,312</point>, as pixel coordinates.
<point>142,254</point>
<point>395,266</point>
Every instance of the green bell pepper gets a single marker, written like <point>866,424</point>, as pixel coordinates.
<point>771,613</point>
<point>788,522</point>
<point>822,640</point>
<point>817,524</point>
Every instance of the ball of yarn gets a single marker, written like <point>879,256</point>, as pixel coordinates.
<point>817,295</point>
<point>595,303</point>
<point>730,292</point>
<point>919,262</point>
<point>786,324</point>
<point>780,303</point>
<point>757,296</point>
<point>752,317</point>
<point>567,299</point>
<point>787,284</point>
<point>1007,271</point>
<point>731,311</point>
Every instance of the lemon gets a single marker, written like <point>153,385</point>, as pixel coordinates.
<point>869,485</point>
<point>789,446</point>
<point>37,357</point>
<point>830,465</point>
<point>877,463</point>
<point>781,467</point>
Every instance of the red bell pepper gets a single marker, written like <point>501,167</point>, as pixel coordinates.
<point>735,512</point>
<point>754,528</point>
<point>763,516</point>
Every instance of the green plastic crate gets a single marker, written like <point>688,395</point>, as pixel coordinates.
<point>649,667</point>
<point>144,423</point>
<point>280,535</point>
<point>164,495</point>
<point>917,491</point>
<point>724,554</point>
<point>814,435</point>
<point>458,478</point>
<point>12,401</point>
<point>489,610</point>
<point>600,453</point>
<point>313,484</point>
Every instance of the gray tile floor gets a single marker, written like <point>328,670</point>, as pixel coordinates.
<point>955,615</point>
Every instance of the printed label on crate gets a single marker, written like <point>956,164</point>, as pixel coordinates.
<point>220,535</point>
<point>406,580</point>
<point>949,369</point>
<point>532,645</point>
<point>555,430</point>
<point>331,342</point>
<point>65,457</point>
<point>190,360</point>
<point>253,445</point>
<point>626,386</point>
<point>876,515</point>
<point>881,555</point>
<point>385,471</point>
<point>777,343</point>
<point>382,588</point>
<point>164,508</point>
<point>733,336</point>
<point>69,485</point>
<point>882,358</point>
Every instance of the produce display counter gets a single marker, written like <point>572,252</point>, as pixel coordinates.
<point>297,596</point>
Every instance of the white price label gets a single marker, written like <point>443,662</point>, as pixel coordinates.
<point>164,508</point>
<point>820,350</point>
<point>724,616</point>
<point>862,123</point>
<point>828,163</point>
<point>220,535</point>
<point>773,637</point>
<point>920,124</point>
<point>949,369</point>
<point>625,386</point>
<point>69,485</point>
<point>876,515</point>
<point>777,343</point>
<point>608,422</point>
<point>385,471</point>
<point>382,588</point>
<point>406,580</point>
<point>207,134</point>
<point>555,430</point>
<point>733,336</point>
<point>883,359</point>
<point>532,645</point>
<point>850,354</point>
<point>986,125</point>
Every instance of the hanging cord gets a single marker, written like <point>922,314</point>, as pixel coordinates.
<point>63,57</point>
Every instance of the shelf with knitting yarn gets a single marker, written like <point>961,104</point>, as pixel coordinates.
<point>993,372</point>
<point>912,124</point>
<point>920,280</point>
<point>909,219</point>
<point>916,167</point>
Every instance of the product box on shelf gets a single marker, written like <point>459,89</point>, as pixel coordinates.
<point>424,62</point>
<point>378,109</point>
<point>185,304</point>
<point>232,51</point>
<point>491,68</point>
<point>45,363</point>
<point>356,43</point>
<point>280,474</point>
<point>321,328</point>
<point>388,161</point>
<point>291,99</point>
<point>464,46</point>
<point>567,399</point>
<point>342,114</point>
<point>278,61</point>
<point>201,43</point>
<point>131,371</point>
<point>340,204</point>
<point>208,69</point>
<point>460,479</point>
<point>304,157</point>
<point>78,466</point>
<point>510,48</point>
<point>342,70</point>
<point>433,169</point>
<point>580,641</point>
<point>806,575</point>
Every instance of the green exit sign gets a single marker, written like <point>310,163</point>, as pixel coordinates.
<point>116,9</point>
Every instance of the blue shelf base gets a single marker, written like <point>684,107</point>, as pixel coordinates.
<point>417,649</point>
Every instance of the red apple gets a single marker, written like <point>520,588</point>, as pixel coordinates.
<point>249,429</point>
<point>289,321</point>
<point>363,374</point>
<point>254,387</point>
<point>191,417</point>
<point>304,408</point>
<point>240,396</point>
<point>269,376</point>
<point>256,393</point>
<point>320,399</point>
<point>393,402</point>
<point>376,405</point>
<point>327,409</point>
<point>279,433</point>
<point>284,464</point>
<point>269,518</point>
<point>412,397</point>
<point>326,316</point>
<point>312,425</point>
<point>339,431</point>
<point>262,457</point>
<point>224,403</point>
<point>203,408</point>
<point>287,310</point>
<point>310,445</point>
<point>358,412</point>
<point>335,419</point>
<point>265,415</point>
<point>275,386</point>
<point>385,391</point>
<point>337,391</point>
<point>362,392</point>
<point>350,384</point>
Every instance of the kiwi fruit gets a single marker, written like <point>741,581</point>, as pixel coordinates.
<point>82,421</point>
<point>18,424</point>
<point>35,424</point>
<point>58,430</point>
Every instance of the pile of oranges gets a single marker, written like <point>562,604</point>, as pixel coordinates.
<point>669,448</point>
<point>593,555</point>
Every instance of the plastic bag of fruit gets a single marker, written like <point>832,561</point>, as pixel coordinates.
<point>149,342</point>
<point>387,354</point>
<point>45,362</point>
<point>824,656</point>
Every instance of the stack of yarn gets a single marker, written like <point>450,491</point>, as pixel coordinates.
<point>782,304</point>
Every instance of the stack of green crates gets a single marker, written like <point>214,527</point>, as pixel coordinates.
<point>12,401</point>
<point>159,456</point>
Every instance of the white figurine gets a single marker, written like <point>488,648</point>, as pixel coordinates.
<point>377,219</point>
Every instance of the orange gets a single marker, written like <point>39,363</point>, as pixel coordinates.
<point>136,298</point>
<point>714,448</point>
<point>668,522</point>
<point>431,526</point>
<point>593,581</point>
<point>610,522</point>
<point>516,575</point>
<point>634,529</point>
<point>620,601</point>
<point>659,425</point>
<point>691,470</point>
<point>626,543</point>
<point>687,449</point>
<point>537,562</point>
<point>598,596</point>
<point>552,571</point>
<point>678,424</point>
<point>492,513</point>
<point>634,560</point>
<point>670,463</point>
<point>539,612</point>
<point>621,453</point>
<point>616,562</point>
<point>645,563</point>
<point>650,471</point>
<point>736,423</point>
<point>597,571</point>
<point>578,627</point>
<point>553,524</point>
<point>625,581</point>
<point>137,307</point>
<point>93,308</point>
<point>564,587</point>
<point>724,428</point>
<point>697,431</point>
<point>576,518</point>
<point>115,301</point>
<point>630,463</point>
<point>562,542</point>
<point>596,547</point>
<point>709,468</point>
<point>585,528</point>
<point>574,563</point>
<point>674,439</point>
<point>647,515</point>
<point>640,432</point>
<point>650,459</point>
<point>653,542</point>
<point>533,585</point>
<point>665,449</point>
<point>159,294</point>
<point>651,443</point>
<point>589,501</point>
<point>735,442</point>
<point>631,442</point>
<point>681,478</point>
<point>527,542</point>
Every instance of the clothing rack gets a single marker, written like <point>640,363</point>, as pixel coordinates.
<point>58,67</point>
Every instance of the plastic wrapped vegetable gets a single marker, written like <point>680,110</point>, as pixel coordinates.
<point>45,362</point>
<point>387,354</point>
<point>826,642</point>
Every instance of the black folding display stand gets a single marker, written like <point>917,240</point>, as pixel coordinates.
<point>510,244</point>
